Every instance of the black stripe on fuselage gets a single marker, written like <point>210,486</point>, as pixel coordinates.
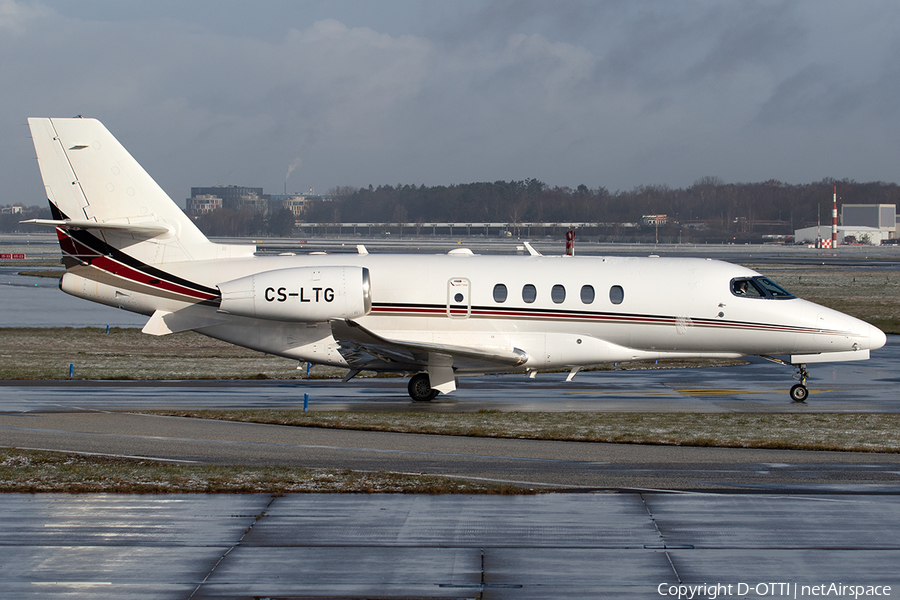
<point>92,242</point>
<point>575,315</point>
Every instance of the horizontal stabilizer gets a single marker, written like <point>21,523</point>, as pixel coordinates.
<point>145,229</point>
<point>365,349</point>
<point>93,183</point>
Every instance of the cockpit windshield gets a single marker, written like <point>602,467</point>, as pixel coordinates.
<point>772,288</point>
<point>758,287</point>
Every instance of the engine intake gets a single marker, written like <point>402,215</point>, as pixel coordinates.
<point>299,294</point>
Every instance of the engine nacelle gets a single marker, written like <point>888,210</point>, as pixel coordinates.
<point>299,294</point>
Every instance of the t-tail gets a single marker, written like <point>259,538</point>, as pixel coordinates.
<point>120,233</point>
<point>93,184</point>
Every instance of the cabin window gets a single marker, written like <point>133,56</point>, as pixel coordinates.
<point>587,294</point>
<point>616,294</point>
<point>558,294</point>
<point>529,293</point>
<point>500,293</point>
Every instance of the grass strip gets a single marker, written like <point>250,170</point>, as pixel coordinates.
<point>49,273</point>
<point>38,471</point>
<point>127,354</point>
<point>836,432</point>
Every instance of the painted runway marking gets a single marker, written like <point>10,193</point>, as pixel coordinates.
<point>154,458</point>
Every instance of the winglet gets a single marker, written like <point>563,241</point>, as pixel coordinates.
<point>531,249</point>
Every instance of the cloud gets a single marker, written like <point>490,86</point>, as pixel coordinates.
<point>601,93</point>
<point>15,17</point>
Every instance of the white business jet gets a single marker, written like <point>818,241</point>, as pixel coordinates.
<point>126,244</point>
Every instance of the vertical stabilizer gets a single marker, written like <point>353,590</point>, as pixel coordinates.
<point>89,177</point>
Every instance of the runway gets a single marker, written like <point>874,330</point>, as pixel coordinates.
<point>637,545</point>
<point>863,386</point>
<point>624,521</point>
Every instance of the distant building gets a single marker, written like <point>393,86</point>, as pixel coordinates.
<point>202,204</point>
<point>296,203</point>
<point>255,203</point>
<point>860,234</point>
<point>11,210</point>
<point>654,220</point>
<point>234,197</point>
<point>879,216</point>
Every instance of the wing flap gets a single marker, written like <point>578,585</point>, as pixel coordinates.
<point>362,348</point>
<point>164,322</point>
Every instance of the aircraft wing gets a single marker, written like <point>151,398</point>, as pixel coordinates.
<point>364,349</point>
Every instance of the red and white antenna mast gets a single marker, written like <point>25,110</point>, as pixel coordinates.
<point>834,221</point>
<point>818,226</point>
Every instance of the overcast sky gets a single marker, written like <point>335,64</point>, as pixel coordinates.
<point>614,94</point>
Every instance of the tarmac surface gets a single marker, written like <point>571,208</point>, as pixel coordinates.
<point>534,464</point>
<point>761,386</point>
<point>635,545</point>
<point>623,521</point>
<point>629,521</point>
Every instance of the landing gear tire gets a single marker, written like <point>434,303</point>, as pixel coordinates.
<point>420,389</point>
<point>799,393</point>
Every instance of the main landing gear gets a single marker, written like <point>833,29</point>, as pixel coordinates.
<point>420,389</point>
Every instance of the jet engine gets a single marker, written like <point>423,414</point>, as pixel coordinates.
<point>299,294</point>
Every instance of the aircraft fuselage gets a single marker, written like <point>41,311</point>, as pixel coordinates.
<point>561,311</point>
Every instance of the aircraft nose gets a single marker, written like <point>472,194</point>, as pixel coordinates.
<point>877,339</point>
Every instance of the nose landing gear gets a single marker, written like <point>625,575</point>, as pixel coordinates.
<point>799,393</point>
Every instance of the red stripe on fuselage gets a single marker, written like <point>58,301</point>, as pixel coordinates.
<point>567,316</point>
<point>118,269</point>
<point>77,249</point>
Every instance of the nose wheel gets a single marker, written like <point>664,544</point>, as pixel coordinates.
<point>799,393</point>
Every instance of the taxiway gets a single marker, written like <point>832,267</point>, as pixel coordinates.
<point>625,521</point>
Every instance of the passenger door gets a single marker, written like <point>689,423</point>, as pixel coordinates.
<point>459,301</point>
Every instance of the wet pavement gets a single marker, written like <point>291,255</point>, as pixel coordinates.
<point>762,386</point>
<point>632,545</point>
<point>649,519</point>
<point>646,521</point>
<point>529,464</point>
